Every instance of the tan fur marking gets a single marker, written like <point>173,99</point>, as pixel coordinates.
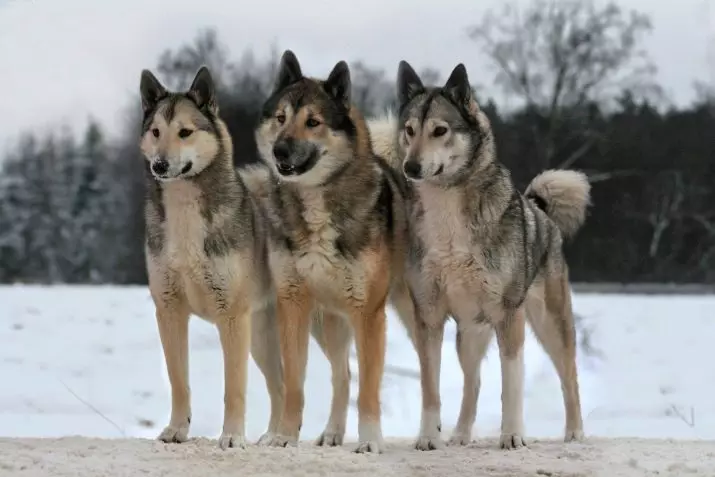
<point>174,335</point>
<point>294,313</point>
<point>235,334</point>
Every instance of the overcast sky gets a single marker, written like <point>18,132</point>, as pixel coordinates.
<point>64,59</point>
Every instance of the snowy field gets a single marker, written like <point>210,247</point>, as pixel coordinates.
<point>86,361</point>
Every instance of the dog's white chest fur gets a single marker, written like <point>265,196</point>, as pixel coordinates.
<point>316,260</point>
<point>452,259</point>
<point>444,228</point>
<point>185,229</point>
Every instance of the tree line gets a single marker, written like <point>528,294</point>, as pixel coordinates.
<point>71,207</point>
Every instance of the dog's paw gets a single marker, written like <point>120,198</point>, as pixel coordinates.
<point>459,439</point>
<point>330,439</point>
<point>283,441</point>
<point>424,443</point>
<point>511,441</point>
<point>369,447</point>
<point>228,440</point>
<point>265,439</point>
<point>575,435</point>
<point>174,434</point>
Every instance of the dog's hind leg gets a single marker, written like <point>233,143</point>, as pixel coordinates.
<point>472,345</point>
<point>401,301</point>
<point>551,317</point>
<point>334,335</point>
<point>174,334</point>
<point>266,351</point>
<point>235,334</point>
<point>510,328</point>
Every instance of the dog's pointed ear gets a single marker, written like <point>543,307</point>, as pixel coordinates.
<point>151,90</point>
<point>289,71</point>
<point>203,90</point>
<point>458,87</point>
<point>338,85</point>
<point>409,83</point>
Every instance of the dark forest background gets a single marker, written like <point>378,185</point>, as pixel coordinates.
<point>71,207</point>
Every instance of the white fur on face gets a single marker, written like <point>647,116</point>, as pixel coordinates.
<point>199,153</point>
<point>445,155</point>
<point>455,157</point>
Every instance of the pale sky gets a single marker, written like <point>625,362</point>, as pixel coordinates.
<point>63,60</point>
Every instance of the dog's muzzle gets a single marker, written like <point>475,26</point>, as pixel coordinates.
<point>292,160</point>
<point>161,168</point>
<point>412,169</point>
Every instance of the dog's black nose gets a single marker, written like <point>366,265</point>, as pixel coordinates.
<point>413,169</point>
<point>160,166</point>
<point>281,151</point>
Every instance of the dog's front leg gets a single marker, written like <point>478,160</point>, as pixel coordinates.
<point>294,315</point>
<point>472,345</point>
<point>370,330</point>
<point>235,334</point>
<point>173,325</point>
<point>429,333</point>
<point>510,336</point>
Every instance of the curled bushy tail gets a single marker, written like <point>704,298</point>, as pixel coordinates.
<point>383,135</point>
<point>564,196</point>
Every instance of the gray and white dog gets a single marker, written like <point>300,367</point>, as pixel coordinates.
<point>481,252</point>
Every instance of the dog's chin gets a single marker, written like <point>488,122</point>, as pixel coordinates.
<point>167,179</point>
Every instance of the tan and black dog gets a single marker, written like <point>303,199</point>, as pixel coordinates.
<point>337,241</point>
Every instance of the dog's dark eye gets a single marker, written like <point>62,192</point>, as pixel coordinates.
<point>281,118</point>
<point>312,123</point>
<point>155,132</point>
<point>439,131</point>
<point>410,132</point>
<point>184,133</point>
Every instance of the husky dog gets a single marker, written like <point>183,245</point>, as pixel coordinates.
<point>481,252</point>
<point>338,231</point>
<point>206,252</point>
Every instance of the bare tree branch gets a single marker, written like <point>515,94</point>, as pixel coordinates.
<point>559,55</point>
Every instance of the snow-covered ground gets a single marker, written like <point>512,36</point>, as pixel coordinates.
<point>86,361</point>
